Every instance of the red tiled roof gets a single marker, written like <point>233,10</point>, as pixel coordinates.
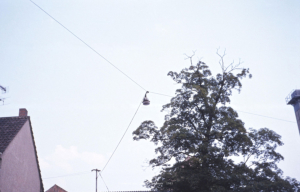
<point>56,188</point>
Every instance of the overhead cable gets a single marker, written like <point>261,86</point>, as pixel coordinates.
<point>267,116</point>
<point>160,94</point>
<point>88,45</point>
<point>78,173</point>
<point>103,181</point>
<point>239,111</point>
<point>122,137</point>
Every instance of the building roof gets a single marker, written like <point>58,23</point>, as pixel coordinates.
<point>9,128</point>
<point>56,188</point>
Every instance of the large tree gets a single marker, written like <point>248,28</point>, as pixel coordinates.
<point>201,135</point>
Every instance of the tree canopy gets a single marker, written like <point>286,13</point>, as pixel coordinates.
<point>202,133</point>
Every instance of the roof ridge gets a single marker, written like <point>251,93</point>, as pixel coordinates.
<point>14,117</point>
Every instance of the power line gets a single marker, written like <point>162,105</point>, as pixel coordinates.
<point>122,137</point>
<point>267,116</point>
<point>103,181</point>
<point>79,173</point>
<point>87,45</point>
<point>160,94</point>
<point>240,111</point>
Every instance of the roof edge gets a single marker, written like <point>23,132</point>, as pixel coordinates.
<point>36,156</point>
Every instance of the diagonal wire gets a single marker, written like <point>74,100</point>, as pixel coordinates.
<point>103,181</point>
<point>87,45</point>
<point>267,116</point>
<point>122,137</point>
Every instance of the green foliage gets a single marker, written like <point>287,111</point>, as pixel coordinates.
<point>202,134</point>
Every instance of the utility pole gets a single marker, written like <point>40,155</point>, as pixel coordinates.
<point>96,170</point>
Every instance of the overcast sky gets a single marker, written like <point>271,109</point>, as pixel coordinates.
<point>80,105</point>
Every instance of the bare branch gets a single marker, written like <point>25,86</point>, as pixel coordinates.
<point>190,57</point>
<point>221,62</point>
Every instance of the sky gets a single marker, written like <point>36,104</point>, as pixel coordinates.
<point>80,105</point>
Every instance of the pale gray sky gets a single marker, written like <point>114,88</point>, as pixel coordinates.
<point>80,105</point>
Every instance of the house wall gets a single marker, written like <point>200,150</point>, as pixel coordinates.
<point>19,169</point>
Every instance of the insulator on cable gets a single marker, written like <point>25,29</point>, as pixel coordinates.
<point>146,101</point>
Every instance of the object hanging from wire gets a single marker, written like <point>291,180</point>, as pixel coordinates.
<point>146,100</point>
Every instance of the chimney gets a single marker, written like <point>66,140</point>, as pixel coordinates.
<point>23,112</point>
